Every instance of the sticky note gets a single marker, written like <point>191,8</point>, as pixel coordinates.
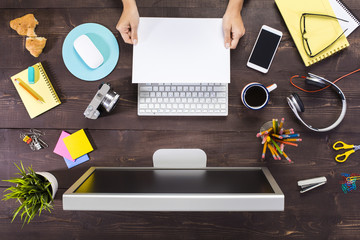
<point>60,147</point>
<point>78,144</point>
<point>71,164</point>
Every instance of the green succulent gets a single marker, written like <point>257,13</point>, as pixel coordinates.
<point>33,191</point>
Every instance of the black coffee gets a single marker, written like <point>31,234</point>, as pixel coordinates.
<point>255,96</point>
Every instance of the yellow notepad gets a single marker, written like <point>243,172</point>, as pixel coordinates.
<point>41,88</point>
<point>78,144</point>
<point>320,31</point>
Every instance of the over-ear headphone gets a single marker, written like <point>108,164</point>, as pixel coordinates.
<point>297,105</point>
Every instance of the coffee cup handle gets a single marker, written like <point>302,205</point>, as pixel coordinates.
<point>271,87</point>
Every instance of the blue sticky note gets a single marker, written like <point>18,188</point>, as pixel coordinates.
<point>31,75</point>
<point>78,161</point>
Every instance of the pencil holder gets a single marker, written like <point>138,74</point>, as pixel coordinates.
<point>275,137</point>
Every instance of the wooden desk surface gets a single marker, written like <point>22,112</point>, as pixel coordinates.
<point>123,139</point>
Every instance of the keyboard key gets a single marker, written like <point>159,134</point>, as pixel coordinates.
<point>144,94</point>
<point>143,105</point>
<point>146,89</point>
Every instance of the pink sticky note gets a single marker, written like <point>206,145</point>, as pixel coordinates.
<point>60,147</point>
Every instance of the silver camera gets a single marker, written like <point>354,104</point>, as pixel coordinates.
<point>106,97</point>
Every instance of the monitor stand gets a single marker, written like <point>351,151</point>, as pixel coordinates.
<point>179,158</point>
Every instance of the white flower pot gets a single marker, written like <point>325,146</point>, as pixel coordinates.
<point>51,178</point>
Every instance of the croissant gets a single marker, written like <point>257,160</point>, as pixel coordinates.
<point>25,25</point>
<point>35,45</point>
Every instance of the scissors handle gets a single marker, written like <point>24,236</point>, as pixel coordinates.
<point>344,156</point>
<point>342,145</point>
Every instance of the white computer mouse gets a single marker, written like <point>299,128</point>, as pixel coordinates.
<point>88,51</point>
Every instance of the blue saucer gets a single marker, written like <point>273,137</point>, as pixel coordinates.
<point>103,39</point>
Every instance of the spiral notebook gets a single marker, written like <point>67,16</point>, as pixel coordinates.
<point>341,11</point>
<point>41,88</point>
<point>320,31</point>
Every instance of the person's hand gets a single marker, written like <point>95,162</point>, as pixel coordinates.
<point>129,22</point>
<point>233,26</point>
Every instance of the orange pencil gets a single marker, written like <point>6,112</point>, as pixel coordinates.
<point>26,88</point>
<point>287,143</point>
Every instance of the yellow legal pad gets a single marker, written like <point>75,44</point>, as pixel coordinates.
<point>78,144</point>
<point>41,88</point>
<point>321,31</point>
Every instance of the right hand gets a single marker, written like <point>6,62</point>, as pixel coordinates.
<point>129,22</point>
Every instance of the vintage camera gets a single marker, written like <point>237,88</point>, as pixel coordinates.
<point>106,97</point>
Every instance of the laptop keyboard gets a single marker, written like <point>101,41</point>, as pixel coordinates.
<point>169,99</point>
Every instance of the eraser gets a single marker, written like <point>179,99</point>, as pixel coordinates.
<point>31,75</point>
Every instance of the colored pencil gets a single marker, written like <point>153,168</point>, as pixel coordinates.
<point>292,140</point>
<point>281,123</point>
<point>272,151</point>
<point>274,126</point>
<point>276,146</point>
<point>282,146</point>
<point>291,135</point>
<point>286,156</point>
<point>288,131</point>
<point>28,90</point>
<point>264,150</point>
<point>264,139</point>
<point>287,143</point>
<point>277,136</point>
<point>276,153</point>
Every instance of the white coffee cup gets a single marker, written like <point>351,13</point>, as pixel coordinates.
<point>255,96</point>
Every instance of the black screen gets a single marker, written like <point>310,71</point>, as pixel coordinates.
<point>264,49</point>
<point>175,181</point>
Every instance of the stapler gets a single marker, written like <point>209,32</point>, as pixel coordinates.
<point>309,184</point>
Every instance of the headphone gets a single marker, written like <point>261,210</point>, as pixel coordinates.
<point>297,105</point>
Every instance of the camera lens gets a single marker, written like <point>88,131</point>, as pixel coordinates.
<point>110,100</point>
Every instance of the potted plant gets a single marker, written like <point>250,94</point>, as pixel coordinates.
<point>34,190</point>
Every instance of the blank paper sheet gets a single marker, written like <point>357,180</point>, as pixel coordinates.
<point>180,50</point>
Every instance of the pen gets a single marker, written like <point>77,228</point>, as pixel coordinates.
<point>27,90</point>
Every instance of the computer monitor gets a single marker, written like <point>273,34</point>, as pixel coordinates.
<point>157,189</point>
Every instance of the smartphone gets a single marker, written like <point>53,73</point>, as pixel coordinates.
<point>264,49</point>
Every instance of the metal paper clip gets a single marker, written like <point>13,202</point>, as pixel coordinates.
<point>309,184</point>
<point>32,138</point>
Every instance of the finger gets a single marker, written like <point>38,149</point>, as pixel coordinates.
<point>234,41</point>
<point>126,37</point>
<point>134,36</point>
<point>227,37</point>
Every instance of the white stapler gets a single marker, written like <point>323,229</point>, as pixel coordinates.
<point>311,183</point>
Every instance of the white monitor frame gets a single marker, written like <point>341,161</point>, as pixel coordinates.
<point>175,201</point>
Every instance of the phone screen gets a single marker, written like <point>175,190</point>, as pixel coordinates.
<point>264,49</point>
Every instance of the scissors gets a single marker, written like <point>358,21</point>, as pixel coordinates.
<point>342,157</point>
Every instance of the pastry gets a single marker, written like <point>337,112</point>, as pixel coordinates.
<point>35,45</point>
<point>25,25</point>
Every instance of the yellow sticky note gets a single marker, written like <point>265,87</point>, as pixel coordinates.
<point>78,144</point>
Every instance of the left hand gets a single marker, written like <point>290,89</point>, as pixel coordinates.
<point>233,28</point>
